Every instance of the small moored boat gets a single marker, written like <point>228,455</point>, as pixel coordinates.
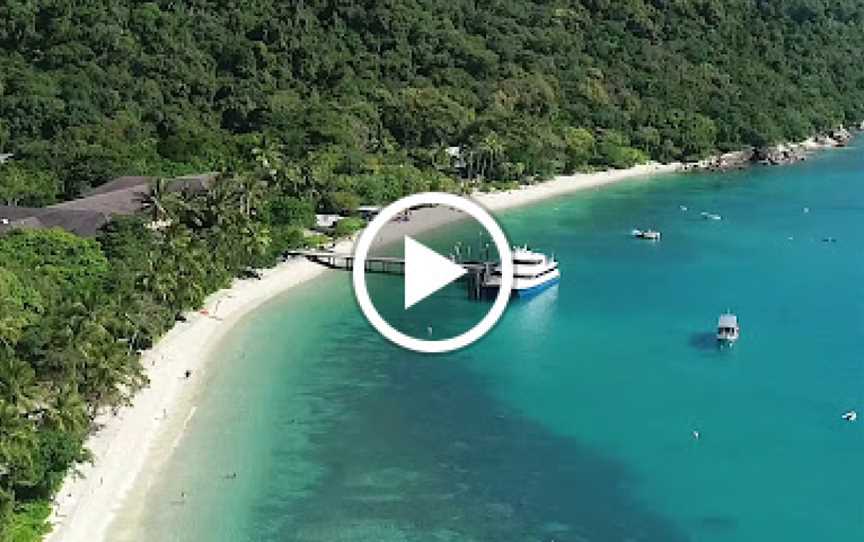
<point>650,235</point>
<point>728,330</point>
<point>711,216</point>
<point>850,416</point>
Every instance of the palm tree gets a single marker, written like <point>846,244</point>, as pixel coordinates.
<point>17,382</point>
<point>494,149</point>
<point>19,439</point>
<point>153,200</point>
<point>68,411</point>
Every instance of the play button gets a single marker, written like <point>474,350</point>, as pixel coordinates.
<point>426,272</point>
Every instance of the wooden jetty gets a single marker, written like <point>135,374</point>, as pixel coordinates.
<point>478,271</point>
<point>338,260</point>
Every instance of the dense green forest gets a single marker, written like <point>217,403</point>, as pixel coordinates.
<point>322,105</point>
<point>94,89</point>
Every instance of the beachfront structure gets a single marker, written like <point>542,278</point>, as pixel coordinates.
<point>457,158</point>
<point>325,222</point>
<point>85,223</point>
<point>86,216</point>
<point>533,272</point>
<point>368,212</point>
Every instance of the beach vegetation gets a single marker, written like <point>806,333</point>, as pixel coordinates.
<point>348,226</point>
<point>25,186</point>
<point>27,522</point>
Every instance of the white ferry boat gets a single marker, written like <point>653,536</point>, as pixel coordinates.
<point>533,272</point>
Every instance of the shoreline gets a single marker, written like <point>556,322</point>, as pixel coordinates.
<point>565,184</point>
<point>124,448</point>
<point>126,458</point>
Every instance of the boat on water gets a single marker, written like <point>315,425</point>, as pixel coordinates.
<point>850,416</point>
<point>711,216</point>
<point>728,329</point>
<point>649,235</point>
<point>533,272</point>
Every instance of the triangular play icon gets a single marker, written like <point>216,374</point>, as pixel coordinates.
<point>426,272</point>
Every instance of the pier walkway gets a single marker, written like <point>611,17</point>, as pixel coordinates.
<point>478,271</point>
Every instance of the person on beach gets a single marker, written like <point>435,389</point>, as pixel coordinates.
<point>187,374</point>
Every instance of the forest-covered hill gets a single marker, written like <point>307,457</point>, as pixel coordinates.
<point>92,89</point>
<point>317,104</point>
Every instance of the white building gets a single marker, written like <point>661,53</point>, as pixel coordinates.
<point>326,222</point>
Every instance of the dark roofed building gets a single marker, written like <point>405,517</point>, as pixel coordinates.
<point>121,183</point>
<point>86,216</point>
<point>126,201</point>
<point>193,183</point>
<point>12,212</point>
<point>29,223</point>
<point>80,222</point>
<point>25,223</point>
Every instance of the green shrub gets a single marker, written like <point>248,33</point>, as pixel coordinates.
<point>348,226</point>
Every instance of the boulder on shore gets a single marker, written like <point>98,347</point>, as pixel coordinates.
<point>779,155</point>
<point>841,136</point>
<point>725,162</point>
<point>775,155</point>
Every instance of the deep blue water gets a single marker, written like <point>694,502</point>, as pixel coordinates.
<point>573,419</point>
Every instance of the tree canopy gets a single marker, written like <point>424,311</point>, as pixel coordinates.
<point>89,90</point>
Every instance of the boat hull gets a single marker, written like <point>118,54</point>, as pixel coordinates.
<point>536,289</point>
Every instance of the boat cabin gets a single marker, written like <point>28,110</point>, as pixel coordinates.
<point>650,235</point>
<point>728,330</point>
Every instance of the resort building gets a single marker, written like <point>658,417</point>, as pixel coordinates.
<point>86,216</point>
<point>326,222</point>
<point>368,212</point>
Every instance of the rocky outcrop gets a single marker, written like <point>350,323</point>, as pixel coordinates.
<point>725,162</point>
<point>777,155</point>
<point>789,153</point>
<point>780,154</point>
<point>842,136</point>
<point>825,140</point>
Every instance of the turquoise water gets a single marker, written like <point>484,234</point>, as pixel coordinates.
<point>573,419</point>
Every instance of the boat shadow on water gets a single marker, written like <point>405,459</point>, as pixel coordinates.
<point>706,342</point>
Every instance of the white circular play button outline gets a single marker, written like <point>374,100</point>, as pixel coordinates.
<point>358,274</point>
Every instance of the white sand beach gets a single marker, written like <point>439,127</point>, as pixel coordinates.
<point>130,447</point>
<point>496,201</point>
<point>123,449</point>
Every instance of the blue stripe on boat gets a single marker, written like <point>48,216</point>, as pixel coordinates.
<point>534,290</point>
